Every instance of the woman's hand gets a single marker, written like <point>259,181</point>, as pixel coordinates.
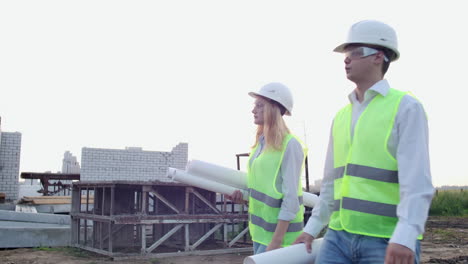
<point>236,197</point>
<point>273,245</point>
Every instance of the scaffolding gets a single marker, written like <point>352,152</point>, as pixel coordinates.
<point>52,182</point>
<point>128,219</point>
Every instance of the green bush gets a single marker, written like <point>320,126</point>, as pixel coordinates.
<point>450,203</point>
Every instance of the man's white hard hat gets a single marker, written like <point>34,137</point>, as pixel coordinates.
<point>374,33</point>
<point>277,92</point>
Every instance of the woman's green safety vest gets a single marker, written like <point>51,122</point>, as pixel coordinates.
<point>366,192</point>
<point>265,200</point>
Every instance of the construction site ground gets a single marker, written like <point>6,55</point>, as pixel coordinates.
<point>445,241</point>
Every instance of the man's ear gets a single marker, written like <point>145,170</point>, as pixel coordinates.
<point>379,57</point>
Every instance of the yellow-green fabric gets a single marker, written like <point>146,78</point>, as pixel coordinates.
<point>367,192</point>
<point>265,199</point>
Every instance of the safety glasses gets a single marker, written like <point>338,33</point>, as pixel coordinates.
<point>362,52</point>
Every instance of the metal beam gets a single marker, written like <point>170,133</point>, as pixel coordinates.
<point>164,238</point>
<point>239,236</point>
<point>203,238</point>
<point>187,221</point>
<point>99,251</point>
<point>143,239</point>
<point>165,201</point>
<point>205,201</point>
<point>187,237</point>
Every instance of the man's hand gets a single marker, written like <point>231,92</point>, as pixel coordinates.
<point>398,254</point>
<point>236,197</point>
<point>305,238</point>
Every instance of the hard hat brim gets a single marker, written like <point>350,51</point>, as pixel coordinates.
<point>340,48</point>
<point>255,95</point>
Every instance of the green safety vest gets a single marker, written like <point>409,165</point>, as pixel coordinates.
<point>265,200</point>
<point>367,191</point>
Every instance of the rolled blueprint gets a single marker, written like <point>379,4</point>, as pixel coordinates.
<point>295,254</point>
<point>184,177</point>
<point>218,173</point>
<point>310,199</point>
<point>233,178</point>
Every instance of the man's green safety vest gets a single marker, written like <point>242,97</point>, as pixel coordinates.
<point>265,200</point>
<point>366,192</point>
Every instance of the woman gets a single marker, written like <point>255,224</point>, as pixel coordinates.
<point>275,203</point>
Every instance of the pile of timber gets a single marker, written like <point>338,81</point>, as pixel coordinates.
<point>37,200</point>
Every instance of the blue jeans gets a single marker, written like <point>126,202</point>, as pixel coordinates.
<point>258,248</point>
<point>340,247</point>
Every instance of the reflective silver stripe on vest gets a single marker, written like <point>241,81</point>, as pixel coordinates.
<point>372,173</point>
<point>336,205</point>
<point>268,200</point>
<point>369,207</point>
<point>270,227</point>
<point>339,172</point>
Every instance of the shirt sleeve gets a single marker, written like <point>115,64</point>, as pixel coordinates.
<point>290,171</point>
<point>321,213</point>
<point>412,154</point>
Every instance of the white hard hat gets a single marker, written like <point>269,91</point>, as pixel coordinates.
<point>277,92</point>
<point>372,32</point>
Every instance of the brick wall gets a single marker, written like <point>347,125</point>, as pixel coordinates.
<point>131,164</point>
<point>10,150</point>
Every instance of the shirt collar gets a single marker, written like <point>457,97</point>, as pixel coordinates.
<point>381,87</point>
<point>261,139</point>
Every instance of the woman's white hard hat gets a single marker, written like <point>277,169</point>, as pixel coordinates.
<point>277,92</point>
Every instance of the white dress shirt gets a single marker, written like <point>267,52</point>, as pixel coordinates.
<point>408,143</point>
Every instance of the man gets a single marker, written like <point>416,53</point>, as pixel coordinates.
<point>377,189</point>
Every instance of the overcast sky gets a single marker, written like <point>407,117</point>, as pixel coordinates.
<point>151,74</point>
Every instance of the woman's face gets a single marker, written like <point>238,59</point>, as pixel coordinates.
<point>257,111</point>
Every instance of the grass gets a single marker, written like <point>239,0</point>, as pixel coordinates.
<point>450,203</point>
<point>444,234</point>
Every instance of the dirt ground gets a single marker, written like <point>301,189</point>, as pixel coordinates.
<point>445,241</point>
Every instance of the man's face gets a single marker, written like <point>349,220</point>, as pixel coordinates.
<point>358,61</point>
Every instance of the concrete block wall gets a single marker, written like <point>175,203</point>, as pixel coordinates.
<point>130,164</point>
<point>10,150</point>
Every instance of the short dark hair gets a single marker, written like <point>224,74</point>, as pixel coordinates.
<point>390,54</point>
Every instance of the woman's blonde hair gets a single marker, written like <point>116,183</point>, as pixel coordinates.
<point>274,128</point>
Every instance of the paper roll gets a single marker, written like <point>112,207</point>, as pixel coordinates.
<point>310,199</point>
<point>233,178</point>
<point>218,173</point>
<point>184,177</point>
<point>295,254</point>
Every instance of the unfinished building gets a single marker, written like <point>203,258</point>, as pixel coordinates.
<point>129,208</point>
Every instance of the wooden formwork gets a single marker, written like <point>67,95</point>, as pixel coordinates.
<point>155,219</point>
